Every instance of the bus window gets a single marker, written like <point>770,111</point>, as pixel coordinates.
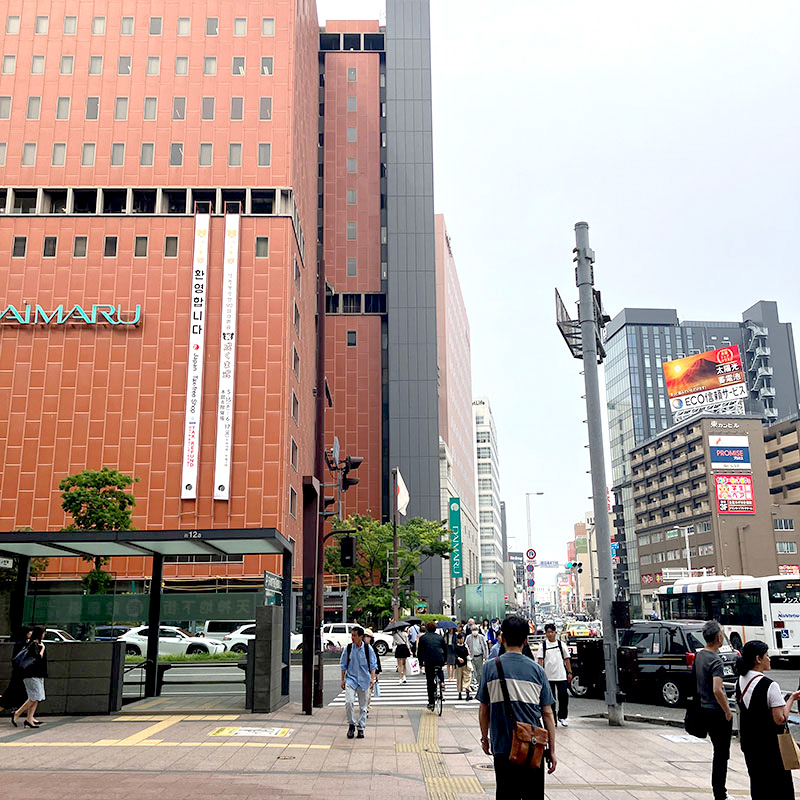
<point>784,591</point>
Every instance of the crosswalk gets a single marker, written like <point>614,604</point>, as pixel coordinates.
<point>414,693</point>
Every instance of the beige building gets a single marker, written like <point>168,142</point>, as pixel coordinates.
<point>781,442</point>
<point>706,481</point>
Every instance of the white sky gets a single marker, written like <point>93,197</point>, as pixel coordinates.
<point>672,129</point>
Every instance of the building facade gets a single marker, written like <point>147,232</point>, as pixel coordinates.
<point>488,480</point>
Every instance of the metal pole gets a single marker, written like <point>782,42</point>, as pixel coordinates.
<point>584,278</point>
<point>153,622</point>
<point>528,591</point>
<point>395,576</point>
<point>688,555</point>
<point>311,621</point>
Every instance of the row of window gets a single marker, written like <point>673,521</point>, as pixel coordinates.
<point>127,26</point>
<point>783,524</point>
<point>19,247</point>
<point>8,66</point>
<point>205,155</point>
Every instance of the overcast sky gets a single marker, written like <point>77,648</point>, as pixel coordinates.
<point>672,129</point>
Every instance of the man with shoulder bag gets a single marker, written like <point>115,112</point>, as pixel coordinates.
<point>553,657</point>
<point>516,717</point>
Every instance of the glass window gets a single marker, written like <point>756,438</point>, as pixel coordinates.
<point>292,501</point>
<point>59,154</point>
<point>351,338</point>
<point>265,108</point>
<point>153,65</point>
<point>37,65</point>
<point>49,247</point>
<point>264,154</point>
<point>19,247</point>
<point>352,269</point>
<point>121,108</point>
<point>642,639</point>
<point>262,246</point>
<point>62,108</point>
<point>352,165</point>
<point>67,65</point>
<point>206,154</point>
<point>787,591</point>
<point>207,108</point>
<point>12,25</point>
<point>184,26</point>
<point>146,156</point>
<point>237,108</point>
<point>785,547</point>
<point>267,65</point>
<point>150,107</point>
<point>268,26</point>
<point>34,108</point>
<point>28,154</point>
<point>352,231</point>
<point>783,524</point>
<point>79,246</point>
<point>155,26</point>
<point>9,65</point>
<point>126,26</point>
<point>212,26</point>
<point>124,65</point>
<point>110,247</point>
<point>98,26</point>
<point>351,197</point>
<point>170,246</point>
<point>92,107</point>
<point>176,154</point>
<point>352,74</point>
<point>95,65</point>
<point>234,154</point>
<point>3,147</point>
<point>140,246</point>
<point>178,108</point>
<point>352,134</point>
<point>238,65</point>
<point>117,154</point>
<point>240,26</point>
<point>87,154</point>
<point>181,65</point>
<point>5,107</point>
<point>352,104</point>
<point>42,25</point>
<point>210,65</point>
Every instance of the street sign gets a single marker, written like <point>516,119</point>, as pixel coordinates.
<point>336,449</point>
<point>548,564</point>
<point>272,583</point>
<point>529,567</point>
<point>531,554</point>
<point>531,582</point>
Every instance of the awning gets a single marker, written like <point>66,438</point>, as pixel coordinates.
<point>217,541</point>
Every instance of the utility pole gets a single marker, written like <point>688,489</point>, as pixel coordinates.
<point>395,545</point>
<point>584,342</point>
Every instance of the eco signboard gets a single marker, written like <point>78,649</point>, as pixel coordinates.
<point>729,452</point>
<point>705,379</point>
<point>735,494</point>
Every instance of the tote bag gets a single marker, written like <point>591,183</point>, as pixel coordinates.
<point>790,753</point>
<point>412,665</point>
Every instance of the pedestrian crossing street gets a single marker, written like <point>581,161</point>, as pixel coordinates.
<point>413,693</point>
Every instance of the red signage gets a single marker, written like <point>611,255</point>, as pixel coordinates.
<point>735,494</point>
<point>703,371</point>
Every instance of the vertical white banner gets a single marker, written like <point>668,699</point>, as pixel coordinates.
<point>227,360</point>
<point>194,374</point>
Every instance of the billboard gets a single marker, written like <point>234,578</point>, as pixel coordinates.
<point>735,494</point>
<point>705,379</point>
<point>456,557</point>
<point>729,452</point>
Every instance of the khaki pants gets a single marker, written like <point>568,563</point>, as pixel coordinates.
<point>463,677</point>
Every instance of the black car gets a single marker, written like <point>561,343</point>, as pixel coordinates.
<point>655,659</point>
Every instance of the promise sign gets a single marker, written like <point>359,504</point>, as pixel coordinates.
<point>456,558</point>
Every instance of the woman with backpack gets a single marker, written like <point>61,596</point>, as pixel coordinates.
<point>762,717</point>
<point>14,695</point>
<point>32,663</point>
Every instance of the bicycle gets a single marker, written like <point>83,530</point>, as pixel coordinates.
<point>439,701</point>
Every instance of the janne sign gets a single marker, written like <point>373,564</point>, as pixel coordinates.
<point>98,314</point>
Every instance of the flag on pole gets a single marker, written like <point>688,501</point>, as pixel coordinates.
<point>403,497</point>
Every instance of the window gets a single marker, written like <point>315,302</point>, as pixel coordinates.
<point>264,108</point>
<point>121,108</point>
<point>292,502</point>
<point>237,108</point>
<point>352,134</point>
<point>206,154</point>
<point>297,320</point>
<point>146,155</point>
<point>42,25</point>
<point>184,26</point>
<point>352,104</point>
<point>12,25</point>
<point>176,154</point>
<point>297,277</point>
<point>70,26</point>
<point>267,26</point>
<point>643,639</point>
<point>67,65</point>
<point>117,154</point>
<point>2,154</point>
<point>351,339</point>
<point>785,547</point>
<point>49,247</point>
<point>150,107</point>
<point>79,246</point>
<point>238,65</point>
<point>351,231</point>
<point>178,108</point>
<point>656,537</point>
<point>87,154</point>
<point>126,26</point>
<point>352,165</point>
<point>264,154</point>
<point>5,107</point>
<point>295,405</point>
<point>153,65</point>
<point>240,26</point>
<point>262,246</point>
<point>783,524</point>
<point>210,65</point>
<point>267,65</point>
<point>352,74</point>
<point>295,362</point>
<point>207,108</point>
<point>705,549</point>
<point>34,108</point>
<point>212,26</point>
<point>59,154</point>
<point>351,197</point>
<point>293,454</point>
<point>98,26</point>
<point>124,65</point>
<point>9,65</point>
<point>170,246</point>
<point>140,246</point>
<point>28,154</point>
<point>95,65</point>
<point>703,527</point>
<point>181,65</point>
<point>645,560</point>
<point>110,247</point>
<point>20,245</point>
<point>37,65</point>
<point>351,268</point>
<point>92,107</point>
<point>658,557</point>
<point>235,154</point>
<point>155,26</point>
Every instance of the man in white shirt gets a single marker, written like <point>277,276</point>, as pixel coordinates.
<point>553,655</point>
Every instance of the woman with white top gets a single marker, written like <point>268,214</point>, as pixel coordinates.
<point>402,651</point>
<point>763,714</point>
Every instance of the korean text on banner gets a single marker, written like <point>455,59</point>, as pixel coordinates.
<point>227,360</point>
<point>194,375</point>
<point>403,497</point>
<point>456,558</point>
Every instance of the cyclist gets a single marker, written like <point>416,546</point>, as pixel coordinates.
<point>432,654</point>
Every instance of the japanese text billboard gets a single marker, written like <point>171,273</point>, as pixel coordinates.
<point>705,378</point>
<point>735,494</point>
<point>729,452</point>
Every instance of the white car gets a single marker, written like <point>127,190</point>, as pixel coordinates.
<point>171,641</point>
<point>237,641</point>
<point>52,635</point>
<point>339,633</point>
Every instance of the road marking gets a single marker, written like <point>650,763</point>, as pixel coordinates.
<point>145,734</point>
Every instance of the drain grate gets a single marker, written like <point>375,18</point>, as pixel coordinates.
<point>484,766</point>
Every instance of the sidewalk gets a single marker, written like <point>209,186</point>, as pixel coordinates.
<point>407,753</point>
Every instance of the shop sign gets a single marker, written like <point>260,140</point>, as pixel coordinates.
<point>98,314</point>
<point>735,494</point>
<point>456,557</point>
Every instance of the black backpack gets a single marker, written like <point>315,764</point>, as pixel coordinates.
<point>366,653</point>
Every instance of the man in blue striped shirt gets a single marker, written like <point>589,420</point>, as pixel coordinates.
<point>358,665</point>
<point>531,699</point>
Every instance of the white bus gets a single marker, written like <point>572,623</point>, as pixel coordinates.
<point>747,608</point>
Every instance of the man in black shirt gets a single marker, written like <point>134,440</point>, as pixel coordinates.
<point>432,653</point>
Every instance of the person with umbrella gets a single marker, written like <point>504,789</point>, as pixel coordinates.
<point>402,651</point>
<point>413,633</point>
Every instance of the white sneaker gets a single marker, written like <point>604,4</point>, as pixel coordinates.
<point>563,723</point>
<point>403,679</point>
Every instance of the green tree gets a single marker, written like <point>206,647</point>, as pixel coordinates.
<point>97,501</point>
<point>370,592</point>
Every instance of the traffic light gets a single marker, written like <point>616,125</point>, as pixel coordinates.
<point>570,564</point>
<point>576,565</point>
<point>327,501</point>
<point>350,463</point>
<point>348,551</point>
<point>579,566</point>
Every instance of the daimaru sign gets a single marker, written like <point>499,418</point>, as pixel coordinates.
<point>98,314</point>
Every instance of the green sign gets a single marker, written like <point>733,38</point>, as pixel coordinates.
<point>456,562</point>
<point>98,314</point>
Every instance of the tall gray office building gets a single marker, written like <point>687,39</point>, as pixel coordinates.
<point>638,341</point>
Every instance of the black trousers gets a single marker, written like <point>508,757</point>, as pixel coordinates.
<point>561,694</point>
<point>518,783</point>
<point>431,673</point>
<point>719,731</point>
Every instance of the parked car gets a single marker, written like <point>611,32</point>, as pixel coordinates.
<point>110,633</point>
<point>339,633</point>
<point>55,635</point>
<point>237,641</point>
<point>219,627</point>
<point>171,641</point>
